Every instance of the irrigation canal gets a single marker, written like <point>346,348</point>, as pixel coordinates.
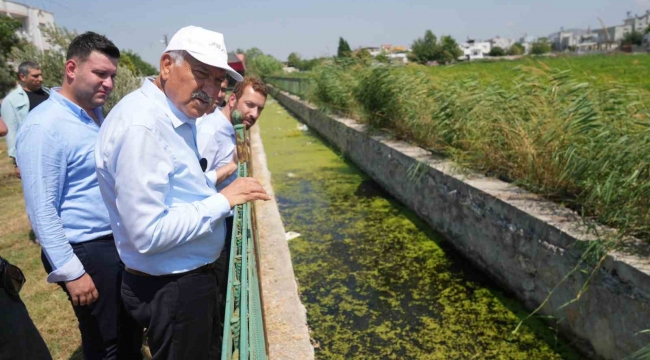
<point>377,282</point>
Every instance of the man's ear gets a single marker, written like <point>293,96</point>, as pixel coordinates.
<point>71,69</point>
<point>166,64</point>
<point>232,99</point>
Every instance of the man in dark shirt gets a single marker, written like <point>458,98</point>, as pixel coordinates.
<point>36,97</point>
<point>20,101</point>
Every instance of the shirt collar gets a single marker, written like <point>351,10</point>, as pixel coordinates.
<point>76,109</point>
<point>151,91</point>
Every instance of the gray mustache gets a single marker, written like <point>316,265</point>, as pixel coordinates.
<point>202,95</point>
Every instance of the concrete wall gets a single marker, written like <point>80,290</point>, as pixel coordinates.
<point>525,243</point>
<point>285,317</point>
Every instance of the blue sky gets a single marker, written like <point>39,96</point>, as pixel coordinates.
<point>312,28</point>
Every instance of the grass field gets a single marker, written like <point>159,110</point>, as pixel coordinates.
<point>633,70</point>
<point>47,303</point>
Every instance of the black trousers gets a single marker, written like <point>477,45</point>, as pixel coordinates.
<point>19,338</point>
<point>107,330</point>
<point>179,312</point>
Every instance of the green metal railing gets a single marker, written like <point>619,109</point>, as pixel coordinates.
<point>244,334</point>
<point>293,85</point>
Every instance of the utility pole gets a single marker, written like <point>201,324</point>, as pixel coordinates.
<point>165,40</point>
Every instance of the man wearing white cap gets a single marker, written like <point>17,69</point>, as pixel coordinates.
<point>166,216</point>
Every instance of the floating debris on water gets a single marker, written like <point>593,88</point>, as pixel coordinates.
<point>291,235</point>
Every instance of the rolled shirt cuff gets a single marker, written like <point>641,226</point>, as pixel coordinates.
<point>72,270</point>
<point>218,206</point>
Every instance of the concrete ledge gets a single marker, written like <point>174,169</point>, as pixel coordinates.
<point>284,315</point>
<point>527,244</point>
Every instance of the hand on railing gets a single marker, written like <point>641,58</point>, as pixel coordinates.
<point>243,190</point>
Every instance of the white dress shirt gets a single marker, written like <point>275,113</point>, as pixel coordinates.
<point>166,216</point>
<point>217,144</point>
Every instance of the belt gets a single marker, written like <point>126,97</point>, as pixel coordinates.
<point>200,270</point>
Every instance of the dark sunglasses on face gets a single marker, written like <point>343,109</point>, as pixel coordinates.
<point>11,277</point>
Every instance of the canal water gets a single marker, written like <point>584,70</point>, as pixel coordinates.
<point>377,282</point>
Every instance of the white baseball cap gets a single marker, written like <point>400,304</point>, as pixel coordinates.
<point>205,46</point>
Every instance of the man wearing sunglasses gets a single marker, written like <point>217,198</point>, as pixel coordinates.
<point>19,338</point>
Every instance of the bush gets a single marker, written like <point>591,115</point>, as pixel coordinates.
<point>540,47</point>
<point>497,51</point>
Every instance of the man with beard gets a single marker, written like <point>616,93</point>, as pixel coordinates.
<point>217,144</point>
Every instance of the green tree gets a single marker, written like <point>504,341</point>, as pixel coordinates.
<point>252,53</point>
<point>633,38</point>
<point>294,60</point>
<point>497,51</point>
<point>264,65</point>
<point>344,49</point>
<point>540,47</point>
<point>8,40</point>
<point>125,61</point>
<point>142,68</point>
<point>449,50</point>
<point>424,49</point>
<point>516,49</point>
<point>429,48</point>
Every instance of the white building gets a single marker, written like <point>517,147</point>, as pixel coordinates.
<point>609,38</point>
<point>505,44</point>
<point>32,20</point>
<point>474,50</point>
<point>638,23</point>
<point>398,57</point>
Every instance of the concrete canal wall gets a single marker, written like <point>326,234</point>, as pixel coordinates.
<point>525,243</point>
<point>285,317</point>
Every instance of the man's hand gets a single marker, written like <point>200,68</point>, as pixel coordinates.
<point>82,291</point>
<point>243,190</point>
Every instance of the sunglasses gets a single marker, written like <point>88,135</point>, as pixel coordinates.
<point>12,278</point>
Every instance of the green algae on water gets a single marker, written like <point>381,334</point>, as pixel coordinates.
<point>377,282</point>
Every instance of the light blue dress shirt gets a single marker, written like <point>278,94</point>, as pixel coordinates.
<point>217,144</point>
<point>55,150</point>
<point>166,216</point>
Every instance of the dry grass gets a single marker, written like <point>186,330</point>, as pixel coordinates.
<point>47,303</point>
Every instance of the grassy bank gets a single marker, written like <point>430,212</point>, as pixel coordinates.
<point>570,133</point>
<point>600,70</point>
<point>47,303</point>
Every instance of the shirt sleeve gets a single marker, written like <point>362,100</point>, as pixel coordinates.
<point>8,114</point>
<point>43,166</point>
<point>141,169</point>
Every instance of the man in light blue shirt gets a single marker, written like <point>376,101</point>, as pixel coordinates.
<point>167,217</point>
<point>217,144</point>
<point>55,151</point>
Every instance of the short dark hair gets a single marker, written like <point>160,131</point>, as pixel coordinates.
<point>83,45</point>
<point>23,68</point>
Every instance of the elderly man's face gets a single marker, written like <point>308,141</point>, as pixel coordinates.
<point>191,86</point>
